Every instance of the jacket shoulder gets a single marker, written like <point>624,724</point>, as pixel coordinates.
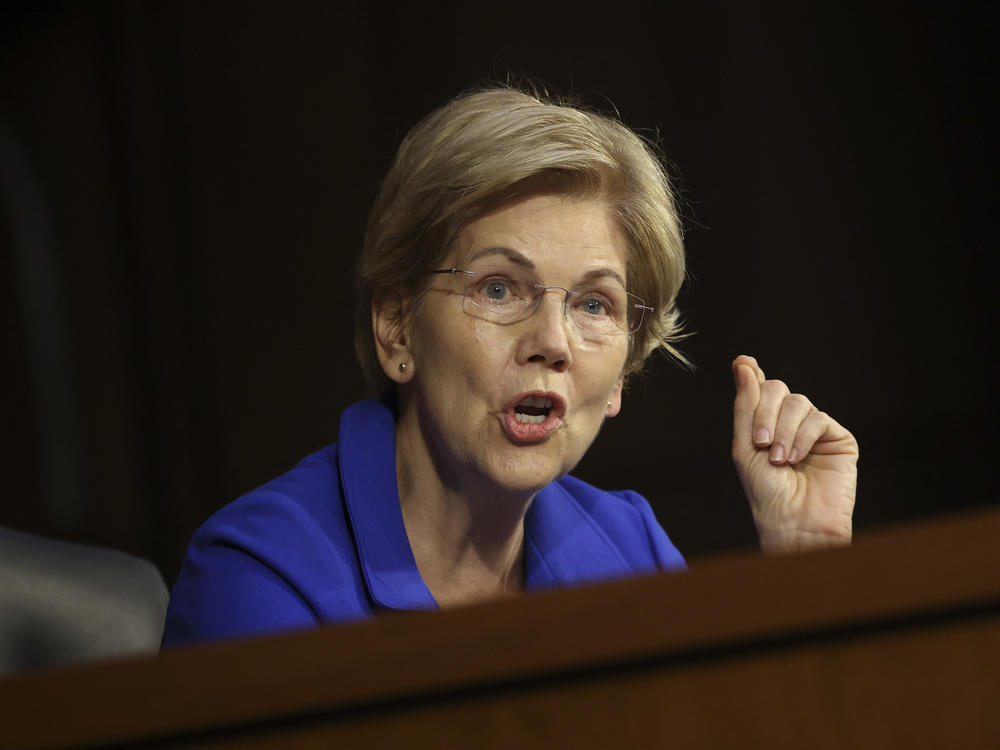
<point>628,521</point>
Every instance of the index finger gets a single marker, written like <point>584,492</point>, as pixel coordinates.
<point>751,362</point>
<point>745,403</point>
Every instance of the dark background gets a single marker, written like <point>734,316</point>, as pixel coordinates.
<point>185,186</point>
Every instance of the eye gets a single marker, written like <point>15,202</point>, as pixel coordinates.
<point>499,290</point>
<point>594,304</point>
<point>495,289</point>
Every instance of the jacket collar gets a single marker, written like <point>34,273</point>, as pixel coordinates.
<point>367,456</point>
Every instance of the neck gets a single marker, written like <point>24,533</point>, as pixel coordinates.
<point>467,534</point>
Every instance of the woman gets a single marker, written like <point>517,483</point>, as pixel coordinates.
<point>522,260</point>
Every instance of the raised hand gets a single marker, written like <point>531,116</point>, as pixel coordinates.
<point>797,465</point>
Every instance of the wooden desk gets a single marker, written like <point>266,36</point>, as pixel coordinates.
<point>892,643</point>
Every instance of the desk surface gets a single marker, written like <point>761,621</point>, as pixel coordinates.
<point>907,606</point>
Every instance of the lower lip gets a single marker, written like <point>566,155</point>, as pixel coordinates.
<point>528,432</point>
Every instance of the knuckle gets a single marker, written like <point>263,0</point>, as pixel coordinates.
<point>772,388</point>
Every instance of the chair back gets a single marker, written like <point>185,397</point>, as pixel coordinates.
<point>62,602</point>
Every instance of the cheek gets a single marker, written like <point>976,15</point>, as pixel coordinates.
<point>494,365</point>
<point>606,372</point>
<point>472,353</point>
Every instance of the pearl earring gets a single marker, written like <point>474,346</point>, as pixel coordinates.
<point>402,366</point>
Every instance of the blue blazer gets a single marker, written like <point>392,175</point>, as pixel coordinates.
<point>326,543</point>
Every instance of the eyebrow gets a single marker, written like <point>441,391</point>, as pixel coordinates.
<point>603,273</point>
<point>525,262</point>
<point>520,258</point>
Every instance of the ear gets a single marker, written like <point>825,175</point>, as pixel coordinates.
<point>615,402</point>
<point>389,324</point>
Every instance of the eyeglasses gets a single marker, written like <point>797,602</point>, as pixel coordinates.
<point>505,295</point>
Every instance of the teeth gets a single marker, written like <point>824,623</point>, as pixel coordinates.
<point>538,402</point>
<point>527,418</point>
<point>533,410</point>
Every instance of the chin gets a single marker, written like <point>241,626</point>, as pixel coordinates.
<point>524,470</point>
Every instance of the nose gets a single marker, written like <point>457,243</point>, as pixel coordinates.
<point>545,337</point>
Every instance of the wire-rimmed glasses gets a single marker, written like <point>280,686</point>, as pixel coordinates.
<point>508,294</point>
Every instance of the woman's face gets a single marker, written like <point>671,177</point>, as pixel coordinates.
<point>517,404</point>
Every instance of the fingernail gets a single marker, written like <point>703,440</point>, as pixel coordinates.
<point>761,436</point>
<point>777,453</point>
<point>793,456</point>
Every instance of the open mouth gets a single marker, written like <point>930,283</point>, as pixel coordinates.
<point>533,417</point>
<point>533,410</point>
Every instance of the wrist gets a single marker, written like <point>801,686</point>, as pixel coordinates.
<point>784,541</point>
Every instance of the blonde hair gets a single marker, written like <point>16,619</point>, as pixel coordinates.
<point>493,144</point>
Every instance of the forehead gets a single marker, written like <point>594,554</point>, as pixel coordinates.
<point>549,233</point>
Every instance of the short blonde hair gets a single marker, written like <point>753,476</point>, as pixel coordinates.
<point>493,144</point>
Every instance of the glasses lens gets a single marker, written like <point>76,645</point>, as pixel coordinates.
<point>500,294</point>
<point>605,310</point>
